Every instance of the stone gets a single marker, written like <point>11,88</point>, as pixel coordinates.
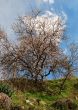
<point>5,101</point>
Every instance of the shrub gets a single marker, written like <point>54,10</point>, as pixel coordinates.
<point>65,105</point>
<point>16,108</point>
<point>76,86</point>
<point>6,89</point>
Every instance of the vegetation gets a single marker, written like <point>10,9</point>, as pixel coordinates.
<point>26,65</point>
<point>46,99</point>
<point>37,53</point>
<point>38,48</point>
<point>6,89</point>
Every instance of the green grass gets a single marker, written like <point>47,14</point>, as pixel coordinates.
<point>47,96</point>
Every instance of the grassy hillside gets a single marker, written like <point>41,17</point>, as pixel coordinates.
<point>30,96</point>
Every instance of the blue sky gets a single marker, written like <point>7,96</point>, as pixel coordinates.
<point>71,9</point>
<point>11,9</point>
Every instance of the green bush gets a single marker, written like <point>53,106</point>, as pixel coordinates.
<point>76,86</point>
<point>6,89</point>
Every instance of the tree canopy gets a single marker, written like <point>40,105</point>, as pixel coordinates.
<point>37,50</point>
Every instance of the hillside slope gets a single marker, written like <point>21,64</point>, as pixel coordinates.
<point>29,96</point>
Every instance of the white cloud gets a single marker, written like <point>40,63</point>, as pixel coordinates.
<point>50,1</point>
<point>49,14</point>
<point>64,15</point>
<point>45,1</point>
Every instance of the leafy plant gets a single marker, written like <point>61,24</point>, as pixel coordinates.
<point>6,89</point>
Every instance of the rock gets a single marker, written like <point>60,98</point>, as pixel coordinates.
<point>76,98</point>
<point>29,102</point>
<point>42,103</point>
<point>22,107</point>
<point>5,101</point>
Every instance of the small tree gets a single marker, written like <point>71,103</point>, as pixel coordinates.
<point>8,59</point>
<point>71,63</point>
